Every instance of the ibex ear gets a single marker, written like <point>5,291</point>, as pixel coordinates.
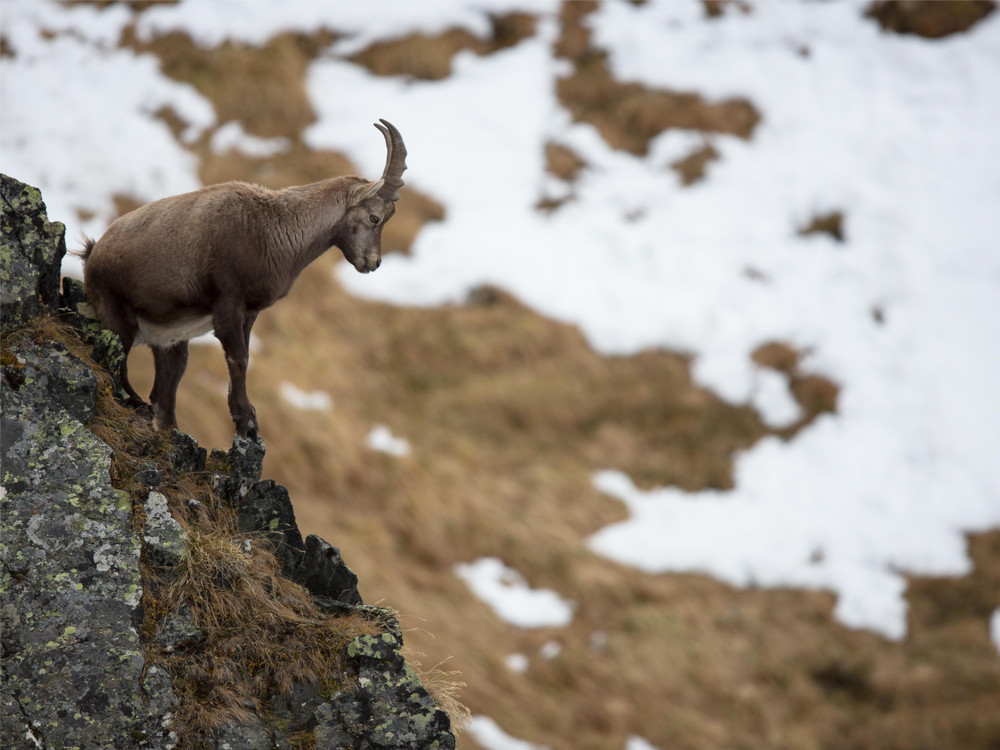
<point>365,191</point>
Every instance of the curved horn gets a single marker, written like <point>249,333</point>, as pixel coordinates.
<point>395,162</point>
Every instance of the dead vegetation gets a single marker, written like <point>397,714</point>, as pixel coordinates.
<point>831,224</point>
<point>263,635</point>
<point>508,414</point>
<point>628,115</point>
<point>428,58</point>
<point>930,19</point>
<point>692,168</point>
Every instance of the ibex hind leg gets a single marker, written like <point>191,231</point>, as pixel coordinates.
<point>121,321</point>
<point>170,362</point>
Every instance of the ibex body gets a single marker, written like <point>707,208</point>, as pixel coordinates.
<point>214,258</point>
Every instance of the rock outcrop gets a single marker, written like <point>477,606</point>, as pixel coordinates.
<point>90,545</point>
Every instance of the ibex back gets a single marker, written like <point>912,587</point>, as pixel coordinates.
<point>213,259</point>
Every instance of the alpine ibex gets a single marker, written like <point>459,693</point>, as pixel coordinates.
<point>214,258</point>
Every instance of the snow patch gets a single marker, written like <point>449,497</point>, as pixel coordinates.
<point>510,597</point>
<point>305,400</point>
<point>381,439</point>
<point>488,733</point>
<point>232,137</point>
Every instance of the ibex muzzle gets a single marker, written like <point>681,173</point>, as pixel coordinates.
<point>213,259</point>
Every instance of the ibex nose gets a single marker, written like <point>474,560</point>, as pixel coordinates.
<point>378,263</point>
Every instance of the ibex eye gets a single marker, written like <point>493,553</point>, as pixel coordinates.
<point>373,219</point>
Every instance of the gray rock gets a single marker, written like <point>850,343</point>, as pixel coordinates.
<point>72,656</point>
<point>388,709</point>
<point>185,454</point>
<point>325,573</point>
<point>238,469</point>
<point>31,253</point>
<point>177,631</point>
<point>266,507</point>
<point>165,540</point>
<point>251,735</point>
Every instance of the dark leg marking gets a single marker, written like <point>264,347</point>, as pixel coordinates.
<point>170,365</point>
<point>232,328</point>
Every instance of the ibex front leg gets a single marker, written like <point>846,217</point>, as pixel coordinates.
<point>232,328</point>
<point>170,364</point>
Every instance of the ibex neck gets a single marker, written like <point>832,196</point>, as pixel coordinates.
<point>310,215</point>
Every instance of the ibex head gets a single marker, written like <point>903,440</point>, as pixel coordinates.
<point>371,206</point>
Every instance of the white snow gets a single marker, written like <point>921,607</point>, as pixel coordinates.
<point>638,743</point>
<point>78,117</point>
<point>550,650</point>
<point>232,137</point>
<point>516,662</point>
<point>510,597</point>
<point>895,131</point>
<point>211,23</point>
<point>772,398</point>
<point>305,400</point>
<point>995,628</point>
<point>488,733</point>
<point>381,439</point>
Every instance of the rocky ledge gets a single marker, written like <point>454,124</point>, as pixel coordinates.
<point>101,622</point>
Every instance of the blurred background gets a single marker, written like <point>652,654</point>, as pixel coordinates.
<point>670,418</point>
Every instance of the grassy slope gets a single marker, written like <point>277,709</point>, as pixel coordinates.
<point>508,413</point>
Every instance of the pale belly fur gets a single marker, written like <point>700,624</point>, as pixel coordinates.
<point>155,334</point>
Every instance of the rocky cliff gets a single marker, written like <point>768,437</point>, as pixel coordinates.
<point>154,596</point>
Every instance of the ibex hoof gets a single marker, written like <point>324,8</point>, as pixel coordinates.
<point>247,428</point>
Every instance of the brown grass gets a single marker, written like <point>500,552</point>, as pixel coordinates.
<point>830,224</point>
<point>691,168</point>
<point>261,87</point>
<point>264,634</point>
<point>562,162</point>
<point>428,57</point>
<point>932,20</point>
<point>628,115</point>
<point>509,414</point>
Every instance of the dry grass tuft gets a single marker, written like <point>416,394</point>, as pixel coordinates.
<point>444,687</point>
<point>263,633</point>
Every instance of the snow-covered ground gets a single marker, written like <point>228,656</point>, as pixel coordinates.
<point>896,132</point>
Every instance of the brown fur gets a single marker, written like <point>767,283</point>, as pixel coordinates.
<point>214,258</point>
